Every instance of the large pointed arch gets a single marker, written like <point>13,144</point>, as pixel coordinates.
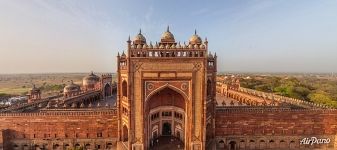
<point>167,86</point>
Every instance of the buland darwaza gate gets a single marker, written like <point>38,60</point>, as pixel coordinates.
<point>166,89</point>
<point>167,97</point>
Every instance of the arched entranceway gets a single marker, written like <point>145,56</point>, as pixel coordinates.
<point>165,124</point>
<point>125,133</point>
<point>124,89</point>
<point>166,129</point>
<point>107,90</point>
<point>232,145</point>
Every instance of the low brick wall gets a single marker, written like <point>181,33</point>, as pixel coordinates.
<point>50,129</point>
<point>254,125</point>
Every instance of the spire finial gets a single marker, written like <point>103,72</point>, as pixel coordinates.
<point>140,31</point>
<point>129,38</point>
<point>195,31</point>
<point>118,54</point>
<point>168,28</point>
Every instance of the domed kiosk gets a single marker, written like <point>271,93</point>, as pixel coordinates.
<point>139,38</point>
<point>195,39</point>
<point>90,81</point>
<point>71,89</point>
<point>167,37</point>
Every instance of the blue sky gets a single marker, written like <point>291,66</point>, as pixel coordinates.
<point>247,35</point>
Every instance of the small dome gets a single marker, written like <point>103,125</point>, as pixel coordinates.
<point>139,38</point>
<point>90,79</point>
<point>195,39</point>
<point>167,37</point>
<point>71,88</point>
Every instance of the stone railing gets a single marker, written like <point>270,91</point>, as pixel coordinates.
<point>171,46</point>
<point>168,53</point>
<point>280,98</point>
<point>25,105</point>
<point>76,112</point>
<point>262,109</point>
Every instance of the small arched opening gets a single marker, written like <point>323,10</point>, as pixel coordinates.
<point>15,147</point>
<point>125,133</point>
<point>232,145</point>
<point>87,146</point>
<point>107,90</point>
<point>251,144</point>
<point>66,146</point>
<point>209,87</point>
<point>124,89</point>
<point>56,147</point>
<point>25,147</point>
<point>263,144</point>
<point>77,145</point>
<point>242,144</point>
<point>271,144</point>
<point>208,132</point>
<point>292,145</point>
<point>109,146</point>
<point>221,144</point>
<point>283,144</point>
<point>166,129</point>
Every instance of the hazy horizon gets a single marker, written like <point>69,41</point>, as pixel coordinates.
<point>44,36</point>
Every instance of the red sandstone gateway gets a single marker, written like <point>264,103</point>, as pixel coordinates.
<point>167,96</point>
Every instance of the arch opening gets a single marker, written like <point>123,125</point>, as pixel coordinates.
<point>124,89</point>
<point>107,90</point>
<point>125,133</point>
<point>165,112</point>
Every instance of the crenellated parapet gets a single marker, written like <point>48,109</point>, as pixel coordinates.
<point>265,109</point>
<point>282,99</point>
<point>68,112</point>
<point>251,97</point>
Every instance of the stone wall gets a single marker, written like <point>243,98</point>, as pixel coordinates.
<point>58,130</point>
<point>263,128</point>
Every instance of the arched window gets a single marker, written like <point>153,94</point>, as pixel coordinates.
<point>124,89</point>
<point>221,144</point>
<point>209,87</point>
<point>107,90</point>
<point>232,145</point>
<point>125,133</point>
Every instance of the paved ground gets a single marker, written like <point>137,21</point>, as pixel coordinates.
<point>168,143</point>
<point>110,100</point>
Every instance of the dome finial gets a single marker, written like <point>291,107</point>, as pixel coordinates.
<point>195,31</point>
<point>140,31</point>
<point>168,28</point>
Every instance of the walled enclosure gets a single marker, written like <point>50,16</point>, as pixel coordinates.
<point>50,130</point>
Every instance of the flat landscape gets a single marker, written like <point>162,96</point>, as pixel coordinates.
<point>20,84</point>
<point>317,88</point>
